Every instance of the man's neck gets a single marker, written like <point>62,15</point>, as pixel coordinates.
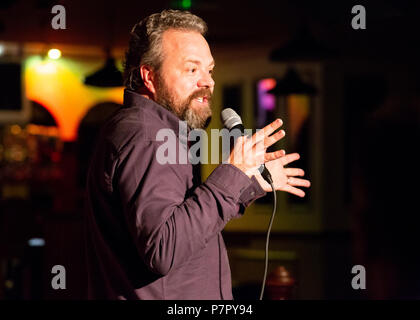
<point>145,93</point>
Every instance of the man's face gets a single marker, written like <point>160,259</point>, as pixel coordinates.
<point>184,82</point>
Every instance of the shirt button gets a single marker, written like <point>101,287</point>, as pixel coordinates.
<point>252,193</point>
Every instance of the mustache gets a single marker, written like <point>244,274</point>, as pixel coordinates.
<point>201,93</point>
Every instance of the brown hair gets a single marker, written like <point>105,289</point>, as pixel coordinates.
<point>145,42</point>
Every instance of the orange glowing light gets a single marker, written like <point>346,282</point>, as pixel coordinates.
<point>15,129</point>
<point>298,110</point>
<point>58,85</point>
<point>42,130</point>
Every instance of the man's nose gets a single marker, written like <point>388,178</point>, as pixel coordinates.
<point>206,80</point>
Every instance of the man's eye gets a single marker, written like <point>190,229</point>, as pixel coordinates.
<point>192,70</point>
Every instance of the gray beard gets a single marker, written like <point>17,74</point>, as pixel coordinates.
<point>195,119</point>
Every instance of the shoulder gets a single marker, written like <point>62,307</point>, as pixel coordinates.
<point>131,127</point>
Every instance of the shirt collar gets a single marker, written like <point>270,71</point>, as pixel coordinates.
<point>169,119</point>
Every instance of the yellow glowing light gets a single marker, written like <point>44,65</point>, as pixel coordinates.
<point>46,68</point>
<point>15,129</point>
<point>54,54</point>
<point>58,86</point>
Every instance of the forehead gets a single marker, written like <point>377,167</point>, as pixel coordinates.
<point>180,45</point>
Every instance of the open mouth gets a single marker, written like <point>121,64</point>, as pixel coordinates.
<point>202,99</point>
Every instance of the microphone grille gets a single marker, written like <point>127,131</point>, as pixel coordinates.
<point>230,118</point>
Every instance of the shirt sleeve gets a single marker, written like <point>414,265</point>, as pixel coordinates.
<point>168,226</point>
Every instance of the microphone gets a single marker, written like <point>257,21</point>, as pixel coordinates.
<point>231,120</point>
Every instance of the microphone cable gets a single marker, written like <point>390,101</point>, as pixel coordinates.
<point>268,237</point>
<point>231,120</point>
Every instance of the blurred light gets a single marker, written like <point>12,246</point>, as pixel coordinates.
<point>17,191</point>
<point>266,100</point>
<point>52,131</point>
<point>17,154</point>
<point>15,129</point>
<point>181,4</point>
<point>54,54</point>
<point>1,49</point>
<point>45,80</point>
<point>46,68</point>
<point>186,4</point>
<point>35,129</point>
<point>36,242</point>
<point>8,284</point>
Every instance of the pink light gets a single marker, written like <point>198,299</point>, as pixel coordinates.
<point>266,101</point>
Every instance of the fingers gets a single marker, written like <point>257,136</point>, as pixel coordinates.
<point>267,130</point>
<point>274,138</point>
<point>291,172</point>
<point>274,155</point>
<point>298,182</point>
<point>293,190</point>
<point>289,158</point>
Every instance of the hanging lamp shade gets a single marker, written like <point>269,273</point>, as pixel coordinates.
<point>292,84</point>
<point>40,115</point>
<point>107,76</point>
<point>302,47</point>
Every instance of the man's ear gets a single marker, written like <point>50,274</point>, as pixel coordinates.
<point>149,78</point>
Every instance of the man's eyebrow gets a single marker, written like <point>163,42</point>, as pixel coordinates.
<point>212,63</point>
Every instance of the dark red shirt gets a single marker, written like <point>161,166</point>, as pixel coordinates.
<point>153,230</point>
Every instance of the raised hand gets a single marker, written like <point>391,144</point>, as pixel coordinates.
<point>284,179</point>
<point>250,152</point>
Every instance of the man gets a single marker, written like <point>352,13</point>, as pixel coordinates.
<point>153,230</point>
